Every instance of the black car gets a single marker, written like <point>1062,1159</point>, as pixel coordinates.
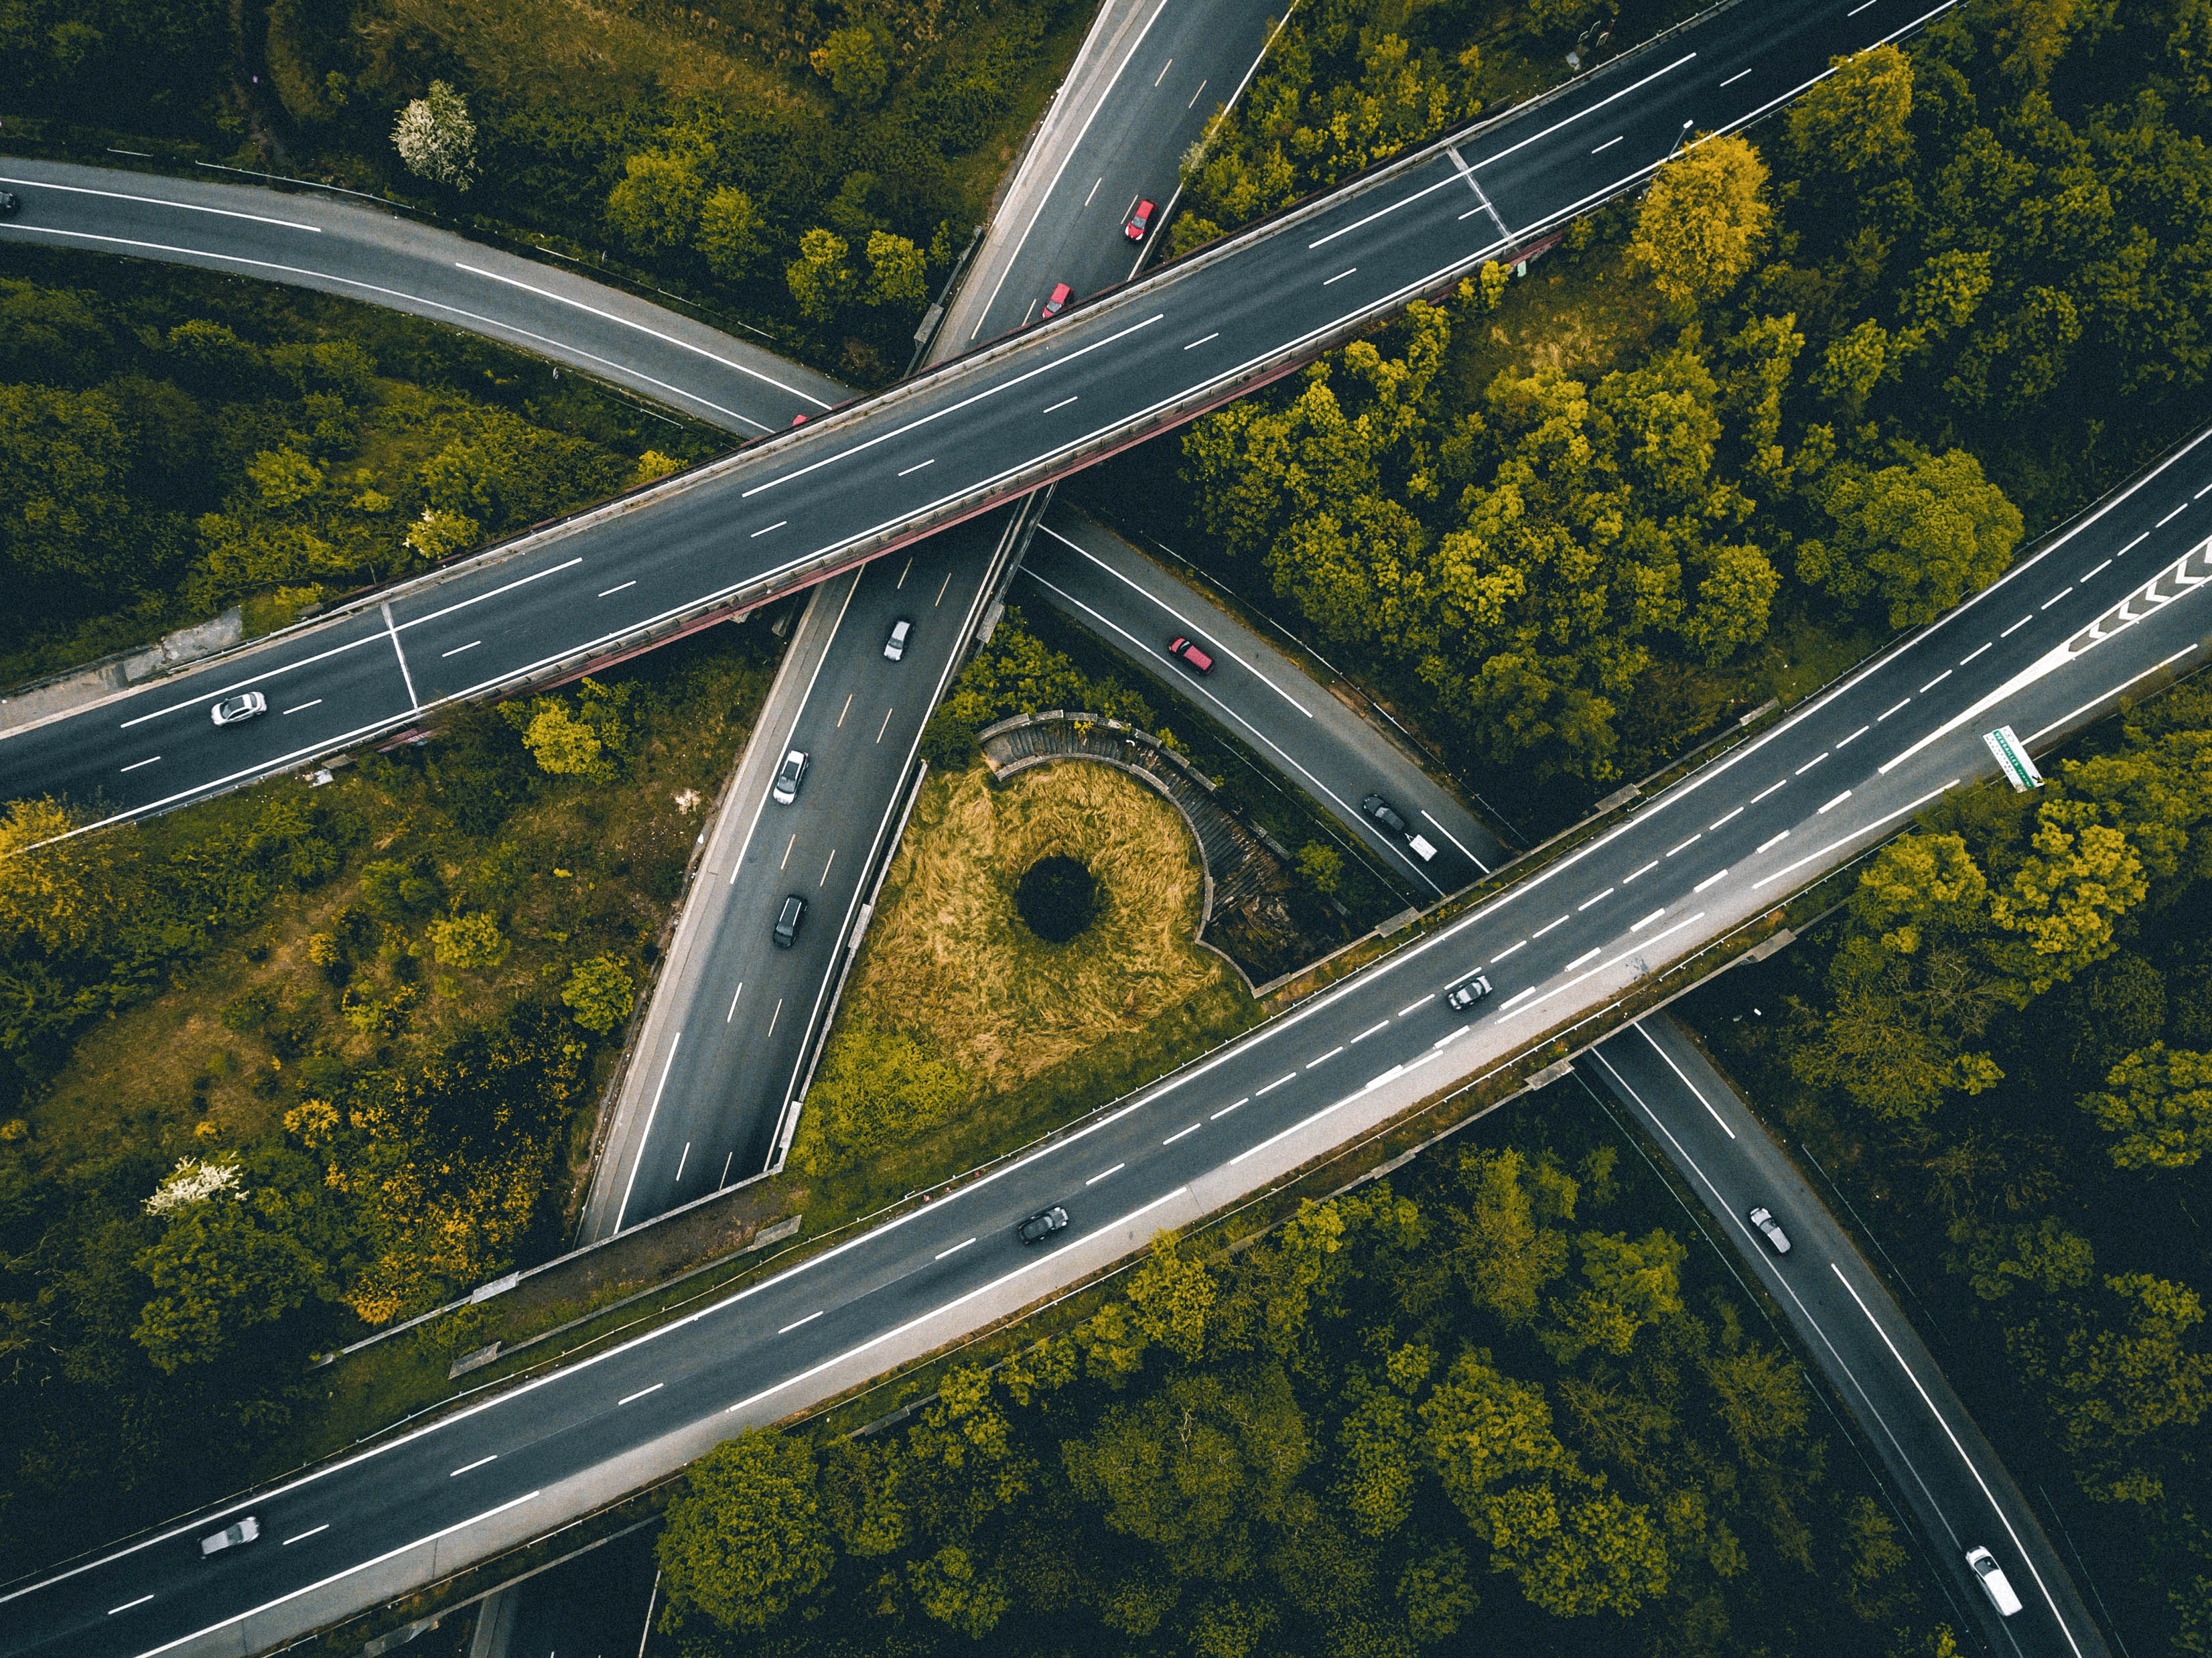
<point>1043,1224</point>
<point>1382,812</point>
<point>788,920</point>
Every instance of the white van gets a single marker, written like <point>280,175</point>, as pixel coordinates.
<point>1423,849</point>
<point>1993,1580</point>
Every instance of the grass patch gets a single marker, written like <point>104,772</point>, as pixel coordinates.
<point>962,1023</point>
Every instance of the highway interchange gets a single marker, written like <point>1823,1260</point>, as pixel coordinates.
<point>1768,833</point>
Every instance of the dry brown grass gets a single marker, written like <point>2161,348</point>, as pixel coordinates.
<point>520,46</point>
<point>948,960</point>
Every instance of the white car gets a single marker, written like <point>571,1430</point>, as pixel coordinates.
<point>894,647</point>
<point>2000,1596</point>
<point>237,1532</point>
<point>244,706</point>
<point>1763,1218</point>
<point>789,775</point>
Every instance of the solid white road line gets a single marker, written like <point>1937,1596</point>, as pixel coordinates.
<point>312,1531</point>
<point>632,1398</point>
<point>157,201</point>
<point>651,1112</point>
<point>1709,1109</point>
<point>1913,1377</point>
<point>392,628</point>
<point>472,1466</point>
<point>1906,810</point>
<point>1456,841</point>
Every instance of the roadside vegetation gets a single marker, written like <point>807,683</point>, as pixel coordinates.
<point>283,1067</point>
<point>175,442</point>
<point>815,167</point>
<point>2003,1047</point>
<point>956,998</point>
<point>1813,387</point>
<point>1497,1400</point>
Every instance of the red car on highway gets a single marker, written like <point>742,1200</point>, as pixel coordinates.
<point>1138,223</point>
<point>1057,303</point>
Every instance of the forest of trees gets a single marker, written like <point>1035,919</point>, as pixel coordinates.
<point>174,443</point>
<point>1500,1394</point>
<point>295,1063</point>
<point>2008,1037</point>
<point>1952,295</point>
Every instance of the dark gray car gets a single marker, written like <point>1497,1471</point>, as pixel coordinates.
<point>1043,1224</point>
<point>788,920</point>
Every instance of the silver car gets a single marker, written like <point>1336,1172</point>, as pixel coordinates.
<point>894,647</point>
<point>1763,1218</point>
<point>245,705</point>
<point>237,1532</point>
<point>1466,993</point>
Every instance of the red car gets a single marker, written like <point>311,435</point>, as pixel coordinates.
<point>1057,303</point>
<point>1139,221</point>
<point>1197,659</point>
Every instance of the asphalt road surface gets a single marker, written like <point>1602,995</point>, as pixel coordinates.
<point>380,257</point>
<point>797,507</point>
<point>1936,1458</point>
<point>1261,696</point>
<point>1149,81</point>
<point>2040,649</point>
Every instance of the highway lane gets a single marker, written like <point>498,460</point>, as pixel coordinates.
<point>1147,84</point>
<point>1261,696</point>
<point>798,506</point>
<point>1936,1457</point>
<point>1719,847</point>
<point>721,1054</point>
<point>382,256</point>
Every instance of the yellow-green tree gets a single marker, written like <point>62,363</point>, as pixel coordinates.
<point>854,62</point>
<point>1853,122</point>
<point>2158,1107</point>
<point>599,994</point>
<point>55,889</point>
<point>732,236</point>
<point>819,279</point>
<point>655,205</point>
<point>1701,225</point>
<point>746,1539</point>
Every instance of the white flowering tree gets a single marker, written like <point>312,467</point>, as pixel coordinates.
<point>436,138</point>
<point>194,1182</point>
